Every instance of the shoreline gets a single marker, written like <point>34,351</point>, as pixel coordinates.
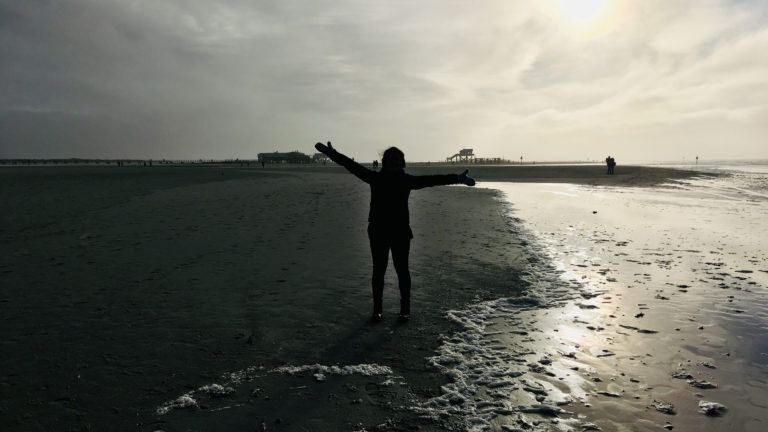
<point>630,175</point>
<point>511,172</point>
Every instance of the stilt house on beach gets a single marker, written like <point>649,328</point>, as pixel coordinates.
<point>464,155</point>
<point>468,156</point>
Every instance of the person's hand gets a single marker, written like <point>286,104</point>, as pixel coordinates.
<point>325,149</point>
<point>463,178</point>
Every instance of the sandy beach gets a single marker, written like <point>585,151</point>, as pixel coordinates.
<point>207,298</point>
<point>185,242</point>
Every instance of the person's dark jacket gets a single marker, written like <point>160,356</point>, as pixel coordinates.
<point>389,193</point>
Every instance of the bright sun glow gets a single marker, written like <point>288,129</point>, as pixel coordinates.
<point>583,11</point>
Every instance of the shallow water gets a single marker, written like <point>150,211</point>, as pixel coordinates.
<point>630,286</point>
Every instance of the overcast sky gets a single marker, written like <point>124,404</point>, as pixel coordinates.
<point>546,80</point>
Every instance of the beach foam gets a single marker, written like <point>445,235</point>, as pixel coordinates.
<point>232,380</point>
<point>360,369</point>
<point>491,373</point>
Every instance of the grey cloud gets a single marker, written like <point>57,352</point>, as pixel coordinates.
<point>232,78</point>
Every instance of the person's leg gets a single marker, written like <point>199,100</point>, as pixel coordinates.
<point>400,250</point>
<point>380,256</point>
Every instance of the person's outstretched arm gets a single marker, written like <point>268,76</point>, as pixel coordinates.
<point>419,182</point>
<point>355,168</point>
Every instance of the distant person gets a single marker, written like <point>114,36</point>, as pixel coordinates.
<point>375,163</point>
<point>388,219</point>
<point>610,163</point>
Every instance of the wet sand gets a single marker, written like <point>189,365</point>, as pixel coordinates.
<point>666,311</point>
<point>124,289</point>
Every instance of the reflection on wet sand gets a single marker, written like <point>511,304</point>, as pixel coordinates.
<point>646,313</point>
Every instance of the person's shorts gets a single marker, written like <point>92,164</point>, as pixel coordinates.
<point>391,233</point>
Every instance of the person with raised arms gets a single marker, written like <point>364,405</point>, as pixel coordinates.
<point>388,219</point>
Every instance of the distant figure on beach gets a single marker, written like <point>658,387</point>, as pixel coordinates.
<point>388,219</point>
<point>375,163</point>
<point>610,162</point>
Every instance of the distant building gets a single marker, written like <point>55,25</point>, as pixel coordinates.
<point>320,157</point>
<point>463,155</point>
<point>294,157</point>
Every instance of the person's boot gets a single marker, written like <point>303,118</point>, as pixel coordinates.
<point>378,300</point>
<point>405,309</point>
<point>377,308</point>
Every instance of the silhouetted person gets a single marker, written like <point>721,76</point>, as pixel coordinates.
<point>388,219</point>
<point>610,163</point>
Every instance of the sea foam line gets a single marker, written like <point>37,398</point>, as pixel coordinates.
<point>484,375</point>
<point>230,379</point>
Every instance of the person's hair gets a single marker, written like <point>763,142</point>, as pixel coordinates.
<point>393,158</point>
